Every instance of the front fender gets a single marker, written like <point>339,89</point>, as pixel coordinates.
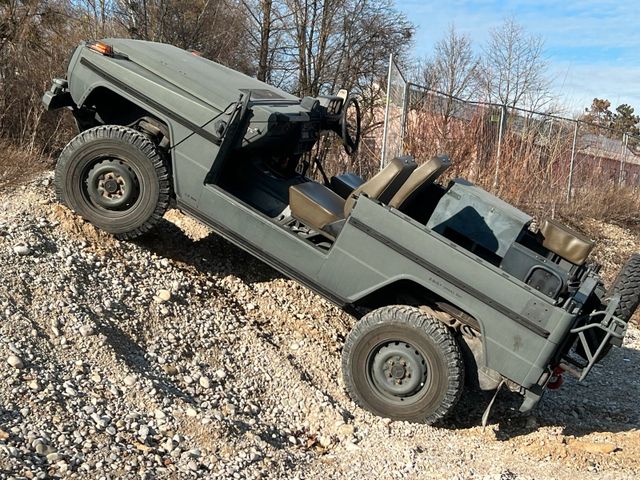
<point>58,96</point>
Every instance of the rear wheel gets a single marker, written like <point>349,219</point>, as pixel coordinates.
<point>115,178</point>
<point>400,363</point>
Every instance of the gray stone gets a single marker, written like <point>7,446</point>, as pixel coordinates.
<point>53,457</point>
<point>15,361</point>
<point>87,330</point>
<point>163,296</point>
<point>21,249</point>
<point>34,385</point>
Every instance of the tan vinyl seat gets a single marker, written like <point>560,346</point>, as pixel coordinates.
<point>384,185</point>
<point>315,205</point>
<point>565,242</point>
<point>318,207</point>
<point>424,175</point>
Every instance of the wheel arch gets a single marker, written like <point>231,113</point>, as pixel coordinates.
<point>108,105</point>
<point>410,291</point>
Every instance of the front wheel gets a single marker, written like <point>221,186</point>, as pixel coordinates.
<point>115,178</point>
<point>400,363</point>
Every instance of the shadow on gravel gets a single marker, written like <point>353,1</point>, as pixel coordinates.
<point>211,254</point>
<point>133,355</point>
<point>606,401</point>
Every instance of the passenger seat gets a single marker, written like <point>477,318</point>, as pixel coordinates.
<point>423,176</point>
<point>322,210</point>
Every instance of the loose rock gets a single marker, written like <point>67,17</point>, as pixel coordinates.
<point>22,249</point>
<point>163,296</point>
<point>15,361</point>
<point>87,330</point>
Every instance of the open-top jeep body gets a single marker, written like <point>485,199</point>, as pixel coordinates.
<point>440,277</point>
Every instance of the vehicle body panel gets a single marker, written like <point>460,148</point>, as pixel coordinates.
<point>522,330</point>
<point>360,263</point>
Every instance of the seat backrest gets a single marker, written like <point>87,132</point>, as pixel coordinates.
<point>564,241</point>
<point>385,184</point>
<point>424,175</point>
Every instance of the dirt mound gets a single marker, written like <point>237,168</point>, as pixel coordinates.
<point>75,227</point>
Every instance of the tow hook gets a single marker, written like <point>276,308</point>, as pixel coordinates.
<point>556,380</point>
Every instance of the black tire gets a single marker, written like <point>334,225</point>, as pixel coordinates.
<point>115,178</point>
<point>372,365</point>
<point>627,285</point>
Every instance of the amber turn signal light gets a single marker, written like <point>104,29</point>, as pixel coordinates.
<point>102,48</point>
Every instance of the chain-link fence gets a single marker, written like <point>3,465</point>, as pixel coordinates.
<point>529,158</point>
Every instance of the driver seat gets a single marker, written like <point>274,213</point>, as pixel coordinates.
<point>323,210</point>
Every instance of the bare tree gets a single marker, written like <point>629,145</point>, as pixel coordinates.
<point>514,70</point>
<point>328,44</point>
<point>215,28</point>
<point>266,24</point>
<point>455,65</point>
<point>35,39</point>
<point>455,69</point>
<point>97,14</point>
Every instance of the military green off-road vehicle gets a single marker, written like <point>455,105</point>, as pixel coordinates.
<point>443,279</point>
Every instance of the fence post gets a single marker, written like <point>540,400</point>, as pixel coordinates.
<point>386,114</point>
<point>405,109</point>
<point>503,110</point>
<point>625,140</point>
<point>572,162</point>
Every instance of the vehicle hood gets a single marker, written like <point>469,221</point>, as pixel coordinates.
<point>214,83</point>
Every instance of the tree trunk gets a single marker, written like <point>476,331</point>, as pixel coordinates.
<point>264,69</point>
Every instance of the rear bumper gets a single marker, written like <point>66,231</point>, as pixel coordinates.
<point>57,96</point>
<point>596,338</point>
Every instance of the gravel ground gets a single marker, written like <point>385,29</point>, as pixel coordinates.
<point>180,356</point>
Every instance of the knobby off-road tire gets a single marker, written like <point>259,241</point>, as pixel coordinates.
<point>115,178</point>
<point>627,285</point>
<point>386,353</point>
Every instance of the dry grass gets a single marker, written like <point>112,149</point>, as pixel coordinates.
<point>532,166</point>
<point>17,165</point>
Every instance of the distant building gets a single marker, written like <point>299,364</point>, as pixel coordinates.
<point>609,157</point>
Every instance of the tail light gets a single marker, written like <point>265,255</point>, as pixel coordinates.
<point>556,380</point>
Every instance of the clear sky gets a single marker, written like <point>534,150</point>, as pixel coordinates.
<point>592,47</point>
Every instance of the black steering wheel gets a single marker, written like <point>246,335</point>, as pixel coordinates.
<point>350,127</point>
